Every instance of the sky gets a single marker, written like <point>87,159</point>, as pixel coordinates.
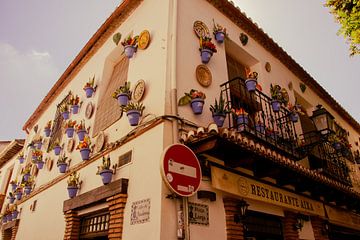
<point>39,39</point>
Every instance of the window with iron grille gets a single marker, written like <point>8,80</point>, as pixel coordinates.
<point>57,129</point>
<point>108,110</point>
<point>95,226</point>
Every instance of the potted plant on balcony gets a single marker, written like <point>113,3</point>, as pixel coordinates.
<point>277,97</point>
<point>89,87</point>
<point>65,112</point>
<point>133,112</point>
<point>294,111</point>
<point>241,116</point>
<point>81,130</point>
<point>259,124</point>
<point>219,111</point>
<point>73,184</point>
<point>219,32</point>
<point>57,148</point>
<point>104,170</point>
<point>207,48</point>
<point>11,196</point>
<point>21,157</point>
<point>130,45</point>
<point>123,94</point>
<point>47,128</point>
<point>84,147</point>
<point>70,128</point>
<point>251,81</point>
<point>62,163</point>
<point>196,100</point>
<point>74,103</point>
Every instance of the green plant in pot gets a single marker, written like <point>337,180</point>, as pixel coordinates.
<point>195,98</point>
<point>123,94</point>
<point>134,110</point>
<point>104,170</point>
<point>73,184</point>
<point>219,111</point>
<point>62,163</point>
<point>276,96</point>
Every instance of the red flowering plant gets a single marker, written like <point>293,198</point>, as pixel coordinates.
<point>205,43</point>
<point>190,96</point>
<point>70,124</point>
<point>90,83</point>
<point>80,126</point>
<point>84,144</point>
<point>238,112</point>
<point>130,41</point>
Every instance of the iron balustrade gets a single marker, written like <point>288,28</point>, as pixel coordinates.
<point>274,128</point>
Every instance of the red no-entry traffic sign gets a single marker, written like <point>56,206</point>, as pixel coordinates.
<point>181,170</point>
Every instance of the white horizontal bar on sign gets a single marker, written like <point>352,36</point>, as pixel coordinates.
<point>182,169</point>
<point>188,189</point>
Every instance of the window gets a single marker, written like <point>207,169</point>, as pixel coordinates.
<point>108,110</point>
<point>95,226</point>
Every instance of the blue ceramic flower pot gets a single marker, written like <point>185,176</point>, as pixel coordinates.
<point>27,190</point>
<point>26,176</point>
<point>13,186</point>
<point>220,37</point>
<point>123,99</point>
<point>38,145</point>
<point>65,115</point>
<point>129,51</point>
<point>205,55</point>
<point>57,150</point>
<point>242,119</point>
<point>40,164</point>
<point>197,105</point>
<point>21,160</point>
<point>81,134</point>
<point>72,191</point>
<point>106,176</point>
<point>219,119</point>
<point>11,199</point>
<point>275,104</point>
<point>89,92</point>
<point>18,195</point>
<point>75,109</point>
<point>251,84</point>
<point>15,214</point>
<point>294,117</point>
<point>47,132</point>
<point>62,167</point>
<point>134,117</point>
<point>70,132</point>
<point>85,153</point>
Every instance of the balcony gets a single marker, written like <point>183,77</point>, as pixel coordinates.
<point>278,132</point>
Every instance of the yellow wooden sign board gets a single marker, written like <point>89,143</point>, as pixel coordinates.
<point>252,189</point>
<point>342,217</point>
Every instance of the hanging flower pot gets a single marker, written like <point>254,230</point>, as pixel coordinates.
<point>275,104</point>
<point>65,115</point>
<point>18,195</point>
<point>220,36</point>
<point>57,150</point>
<point>129,51</point>
<point>70,132</point>
<point>47,132</point>
<point>81,134</point>
<point>197,105</point>
<point>207,48</point>
<point>75,109</point>
<point>219,119</point>
<point>260,128</point>
<point>251,81</point>
<point>15,214</point>
<point>13,186</point>
<point>72,191</point>
<point>206,55</point>
<point>123,99</point>
<point>27,190</point>
<point>62,167</point>
<point>106,176</point>
<point>134,117</point>
<point>85,153</point>
<point>294,116</point>
<point>21,160</point>
<point>9,217</point>
<point>40,164</point>
<point>38,145</point>
<point>4,219</point>
<point>89,91</point>
<point>26,176</point>
<point>196,100</point>
<point>11,199</point>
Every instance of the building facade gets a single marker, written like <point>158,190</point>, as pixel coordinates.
<point>298,177</point>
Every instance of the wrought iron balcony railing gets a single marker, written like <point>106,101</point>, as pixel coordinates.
<point>276,129</point>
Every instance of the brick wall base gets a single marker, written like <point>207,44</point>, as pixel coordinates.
<point>290,233</point>
<point>234,231</point>
<point>318,225</point>
<point>116,209</point>
<point>72,227</point>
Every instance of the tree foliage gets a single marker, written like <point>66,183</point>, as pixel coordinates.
<point>347,13</point>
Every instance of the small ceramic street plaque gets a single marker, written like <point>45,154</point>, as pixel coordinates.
<point>198,214</point>
<point>140,211</point>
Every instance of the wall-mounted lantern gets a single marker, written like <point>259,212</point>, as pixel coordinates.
<point>323,120</point>
<point>242,207</point>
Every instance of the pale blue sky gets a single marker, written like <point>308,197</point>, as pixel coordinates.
<point>39,39</point>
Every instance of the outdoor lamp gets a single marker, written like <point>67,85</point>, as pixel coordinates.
<point>241,207</point>
<point>323,120</point>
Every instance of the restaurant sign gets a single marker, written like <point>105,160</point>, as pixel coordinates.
<point>252,189</point>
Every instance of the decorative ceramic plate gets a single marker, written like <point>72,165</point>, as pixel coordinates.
<point>49,164</point>
<point>100,141</point>
<point>138,91</point>
<point>203,75</point>
<point>268,67</point>
<point>34,170</point>
<point>144,39</point>
<point>200,29</point>
<point>70,145</point>
<point>89,110</point>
